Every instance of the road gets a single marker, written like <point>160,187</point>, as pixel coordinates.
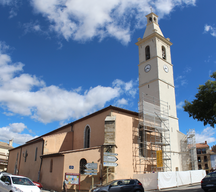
<point>193,188</point>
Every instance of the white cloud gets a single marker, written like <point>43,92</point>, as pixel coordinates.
<point>17,127</point>
<point>83,20</point>
<point>122,101</point>
<point>13,4</point>
<point>130,88</point>
<point>32,27</point>
<point>14,131</point>
<point>179,105</point>
<point>210,29</point>
<point>52,103</point>
<point>208,134</point>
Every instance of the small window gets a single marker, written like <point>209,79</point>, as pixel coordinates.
<point>51,165</point>
<point>206,166</point>
<point>83,162</point>
<point>87,137</point>
<point>163,52</point>
<point>203,151</point>
<point>155,19</point>
<point>199,166</point>
<point>147,52</point>
<point>36,154</point>
<point>205,159</point>
<point>199,159</point>
<point>198,151</point>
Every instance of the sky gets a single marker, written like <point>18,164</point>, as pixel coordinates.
<point>61,60</point>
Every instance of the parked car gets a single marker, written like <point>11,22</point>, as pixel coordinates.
<point>209,182</point>
<point>15,183</point>
<point>38,184</point>
<point>126,185</point>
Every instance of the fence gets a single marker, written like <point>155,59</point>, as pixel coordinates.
<point>163,180</point>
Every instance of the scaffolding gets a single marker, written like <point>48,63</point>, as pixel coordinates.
<point>188,151</point>
<point>154,135</point>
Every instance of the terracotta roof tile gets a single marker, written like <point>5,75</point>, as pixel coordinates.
<point>202,145</point>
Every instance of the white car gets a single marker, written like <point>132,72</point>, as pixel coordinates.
<point>15,183</point>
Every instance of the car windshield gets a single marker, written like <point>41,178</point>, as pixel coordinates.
<point>211,175</point>
<point>21,181</point>
<point>108,183</point>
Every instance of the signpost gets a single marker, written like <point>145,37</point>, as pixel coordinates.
<point>91,165</point>
<point>91,170</point>
<point>114,154</point>
<point>108,164</point>
<point>109,160</point>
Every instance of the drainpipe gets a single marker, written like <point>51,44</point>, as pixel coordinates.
<point>19,161</point>
<point>41,160</point>
<point>72,136</point>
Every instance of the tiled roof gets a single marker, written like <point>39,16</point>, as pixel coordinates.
<point>202,145</point>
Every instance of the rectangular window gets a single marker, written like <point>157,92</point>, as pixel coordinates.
<point>206,166</point>
<point>36,154</point>
<point>198,151</point>
<point>205,159</point>
<point>204,151</point>
<point>199,166</point>
<point>199,159</point>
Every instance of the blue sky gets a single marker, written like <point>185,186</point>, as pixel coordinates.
<point>62,60</point>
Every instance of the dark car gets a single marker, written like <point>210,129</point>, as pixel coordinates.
<point>209,182</point>
<point>122,185</point>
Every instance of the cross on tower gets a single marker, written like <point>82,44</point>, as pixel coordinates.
<point>151,9</point>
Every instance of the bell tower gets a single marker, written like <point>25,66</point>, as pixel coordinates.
<point>156,77</point>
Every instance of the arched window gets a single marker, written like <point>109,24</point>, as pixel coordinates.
<point>150,19</point>
<point>51,165</point>
<point>163,52</point>
<point>147,52</point>
<point>83,162</point>
<point>87,137</point>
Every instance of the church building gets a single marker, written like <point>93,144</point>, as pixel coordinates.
<point>113,143</point>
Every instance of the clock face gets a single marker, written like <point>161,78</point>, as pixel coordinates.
<point>166,69</point>
<point>147,68</point>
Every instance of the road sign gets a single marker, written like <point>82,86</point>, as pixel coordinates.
<point>91,170</point>
<point>113,154</point>
<point>107,164</point>
<point>90,173</point>
<point>91,165</point>
<point>110,158</point>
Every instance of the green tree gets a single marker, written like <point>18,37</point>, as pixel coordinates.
<point>203,108</point>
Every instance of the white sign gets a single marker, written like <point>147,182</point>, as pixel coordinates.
<point>91,170</point>
<point>91,165</point>
<point>107,164</point>
<point>110,158</point>
<point>113,154</point>
<point>90,173</point>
